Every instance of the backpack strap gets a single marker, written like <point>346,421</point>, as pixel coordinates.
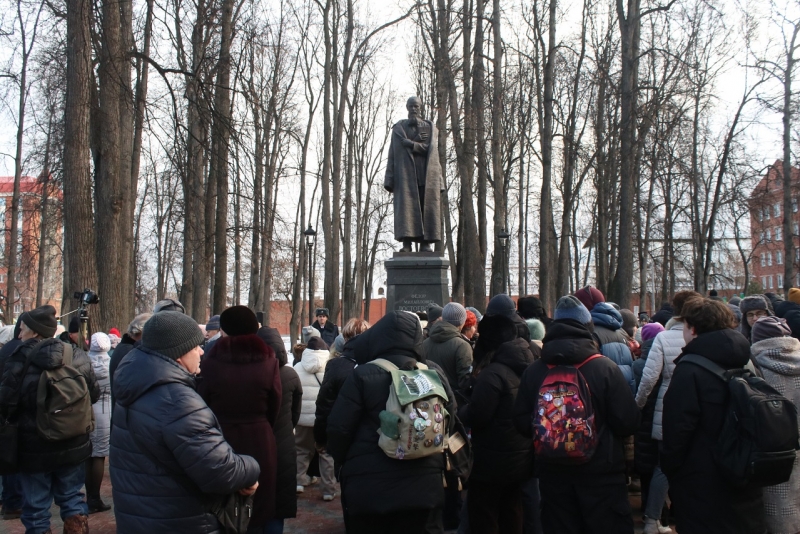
<point>68,353</point>
<point>587,360</point>
<point>708,365</point>
<point>386,365</point>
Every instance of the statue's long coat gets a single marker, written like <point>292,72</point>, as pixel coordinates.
<point>411,222</point>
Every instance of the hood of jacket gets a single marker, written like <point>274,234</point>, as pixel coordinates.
<point>100,361</point>
<point>785,306</point>
<point>48,355</point>
<point>273,339</point>
<point>398,333</point>
<point>674,324</point>
<point>605,315</point>
<point>314,361</point>
<point>568,342</point>
<point>515,354</point>
<point>240,349</point>
<point>780,355</point>
<point>727,348</point>
<point>142,370</point>
<point>442,331</point>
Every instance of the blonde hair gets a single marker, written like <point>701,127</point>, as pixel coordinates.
<point>353,328</point>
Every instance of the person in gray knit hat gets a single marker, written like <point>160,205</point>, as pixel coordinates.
<point>165,440</point>
<point>569,307</point>
<point>446,346</point>
<point>455,314</point>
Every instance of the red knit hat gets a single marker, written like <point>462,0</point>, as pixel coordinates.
<point>590,296</point>
<point>115,332</point>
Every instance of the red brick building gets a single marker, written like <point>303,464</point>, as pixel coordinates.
<point>29,247</point>
<point>766,229</point>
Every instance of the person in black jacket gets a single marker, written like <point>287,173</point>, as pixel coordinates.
<point>593,496</point>
<point>169,462</point>
<point>531,307</point>
<point>288,416</point>
<point>327,330</point>
<point>695,408</point>
<point>49,470</point>
<point>12,491</point>
<point>503,458</point>
<point>382,494</point>
<point>131,339</point>
<point>336,372</point>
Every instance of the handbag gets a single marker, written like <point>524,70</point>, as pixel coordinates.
<point>233,512</point>
<point>9,448</point>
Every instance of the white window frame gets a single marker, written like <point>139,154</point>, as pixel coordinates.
<point>776,210</point>
<point>780,282</point>
<point>779,257</point>
<point>769,259</point>
<point>778,234</point>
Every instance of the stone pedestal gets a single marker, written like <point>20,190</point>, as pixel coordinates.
<point>416,280</point>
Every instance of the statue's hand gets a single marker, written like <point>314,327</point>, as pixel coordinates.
<point>424,136</point>
<point>408,143</point>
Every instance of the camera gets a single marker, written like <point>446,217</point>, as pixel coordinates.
<point>87,297</point>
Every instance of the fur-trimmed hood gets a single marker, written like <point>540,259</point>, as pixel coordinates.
<point>248,348</point>
<point>780,355</point>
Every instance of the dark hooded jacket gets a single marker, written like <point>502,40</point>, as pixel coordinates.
<point>782,307</point>
<point>168,459</point>
<point>288,416</point>
<point>448,348</point>
<point>612,340</point>
<point>373,483</point>
<point>242,386</point>
<point>694,411</point>
<point>126,344</point>
<point>329,333</point>
<point>501,453</point>
<point>664,314</point>
<point>569,342</point>
<point>336,372</point>
<point>8,349</point>
<point>18,399</point>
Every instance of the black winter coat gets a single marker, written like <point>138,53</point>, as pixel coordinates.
<point>446,347</point>
<point>336,372</point>
<point>694,411</point>
<point>168,459</point>
<point>126,344</point>
<point>289,414</point>
<point>329,333</point>
<point>645,448</point>
<point>373,483</point>
<point>569,342</point>
<point>36,454</point>
<point>501,453</point>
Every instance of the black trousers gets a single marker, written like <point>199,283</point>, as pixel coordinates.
<point>405,522</point>
<point>494,508</point>
<point>570,508</point>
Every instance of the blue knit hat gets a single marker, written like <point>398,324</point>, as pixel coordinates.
<point>569,307</point>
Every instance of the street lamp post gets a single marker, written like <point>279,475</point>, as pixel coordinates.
<point>503,236</point>
<point>311,235</point>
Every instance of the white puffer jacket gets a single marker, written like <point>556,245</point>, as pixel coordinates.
<point>311,369</point>
<point>667,346</point>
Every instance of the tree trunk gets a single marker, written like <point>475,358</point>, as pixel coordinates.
<point>499,260</point>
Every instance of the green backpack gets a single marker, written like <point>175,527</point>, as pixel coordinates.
<point>63,404</point>
<point>415,421</point>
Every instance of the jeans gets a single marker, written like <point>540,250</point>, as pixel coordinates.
<point>12,492</point>
<point>40,489</point>
<point>657,495</point>
<point>304,442</point>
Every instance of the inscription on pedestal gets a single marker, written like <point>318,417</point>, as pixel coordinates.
<point>416,281</point>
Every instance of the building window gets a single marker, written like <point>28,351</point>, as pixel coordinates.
<point>766,212</point>
<point>776,210</point>
<point>780,281</point>
<point>763,282</point>
<point>796,229</point>
<point>797,279</point>
<point>769,280</point>
<point>769,259</point>
<point>764,260</point>
<point>769,234</point>
<point>779,258</point>
<point>778,234</point>
<point>17,308</point>
<point>760,215</point>
<point>794,205</point>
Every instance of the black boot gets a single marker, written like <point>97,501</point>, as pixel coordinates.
<point>96,504</point>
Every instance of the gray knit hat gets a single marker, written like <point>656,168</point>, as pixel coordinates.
<point>434,313</point>
<point>569,307</point>
<point>172,334</point>
<point>41,320</point>
<point>454,313</point>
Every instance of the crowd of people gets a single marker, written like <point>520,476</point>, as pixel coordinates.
<point>557,419</point>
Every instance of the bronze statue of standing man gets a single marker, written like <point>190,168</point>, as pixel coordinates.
<point>414,176</point>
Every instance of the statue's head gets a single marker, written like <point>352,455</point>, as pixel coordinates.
<point>414,107</point>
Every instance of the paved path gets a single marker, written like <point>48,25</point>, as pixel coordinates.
<point>314,516</point>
